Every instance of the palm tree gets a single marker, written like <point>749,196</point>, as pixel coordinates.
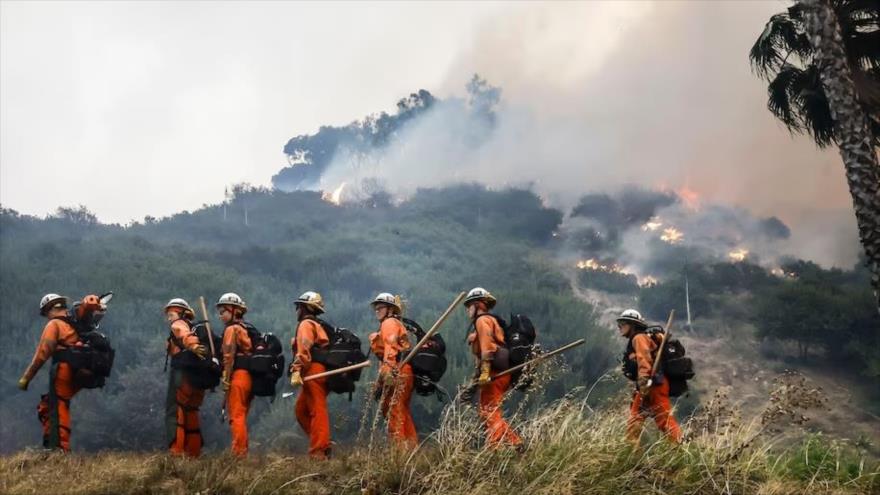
<point>822,60</point>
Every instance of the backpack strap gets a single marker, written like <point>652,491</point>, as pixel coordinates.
<point>172,339</point>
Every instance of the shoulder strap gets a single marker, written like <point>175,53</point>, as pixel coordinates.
<point>251,330</point>
<point>328,328</point>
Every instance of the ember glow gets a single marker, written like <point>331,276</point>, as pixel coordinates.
<point>738,255</point>
<point>671,235</point>
<point>596,266</point>
<point>690,197</point>
<point>781,273</point>
<point>334,197</point>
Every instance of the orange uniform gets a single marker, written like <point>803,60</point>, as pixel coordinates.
<point>182,402</point>
<point>311,405</point>
<point>236,342</point>
<point>54,408</point>
<point>485,340</point>
<point>389,344</point>
<point>658,405</point>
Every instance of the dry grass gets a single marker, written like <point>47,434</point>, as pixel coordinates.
<point>571,450</point>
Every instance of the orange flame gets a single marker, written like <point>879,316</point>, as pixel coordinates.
<point>738,255</point>
<point>652,225</point>
<point>334,197</point>
<point>672,235</point>
<point>596,266</point>
<point>690,197</point>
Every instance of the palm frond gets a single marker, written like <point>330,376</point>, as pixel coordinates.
<point>781,37</point>
<point>778,101</point>
<point>814,112</point>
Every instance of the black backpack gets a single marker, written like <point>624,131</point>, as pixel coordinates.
<point>200,373</point>
<point>429,362</point>
<point>92,361</point>
<point>344,349</point>
<point>519,341</point>
<point>266,362</point>
<point>674,365</point>
<point>519,345</point>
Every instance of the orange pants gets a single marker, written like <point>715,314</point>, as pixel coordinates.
<point>311,412</point>
<point>395,405</point>
<point>238,403</point>
<point>497,430</point>
<point>54,408</point>
<point>182,415</point>
<point>659,407</point>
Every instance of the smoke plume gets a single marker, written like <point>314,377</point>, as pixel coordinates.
<point>660,96</point>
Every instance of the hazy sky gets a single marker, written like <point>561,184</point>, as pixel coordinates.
<point>150,108</point>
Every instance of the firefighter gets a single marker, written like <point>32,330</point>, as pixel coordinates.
<point>236,381</point>
<point>651,397</point>
<point>307,343</point>
<point>390,344</point>
<point>182,402</point>
<point>58,335</point>
<point>485,341</point>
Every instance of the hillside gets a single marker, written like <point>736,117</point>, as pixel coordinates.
<point>748,437</point>
<point>427,249</point>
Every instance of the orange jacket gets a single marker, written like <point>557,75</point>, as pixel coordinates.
<point>486,337</point>
<point>644,347</point>
<point>389,342</point>
<point>183,334</point>
<point>236,342</point>
<point>309,333</point>
<point>57,333</point>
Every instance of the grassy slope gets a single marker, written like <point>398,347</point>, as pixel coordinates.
<point>572,449</point>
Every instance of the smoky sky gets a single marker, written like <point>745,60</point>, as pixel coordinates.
<point>661,95</point>
<point>118,103</point>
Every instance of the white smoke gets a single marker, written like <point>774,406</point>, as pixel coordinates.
<point>660,95</point>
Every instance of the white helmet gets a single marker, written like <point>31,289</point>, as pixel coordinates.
<point>51,300</point>
<point>181,304</point>
<point>232,299</point>
<point>311,300</point>
<point>480,294</point>
<point>632,316</point>
<point>389,299</point>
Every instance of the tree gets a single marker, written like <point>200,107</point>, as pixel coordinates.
<point>822,59</point>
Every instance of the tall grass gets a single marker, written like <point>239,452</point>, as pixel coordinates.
<point>571,449</point>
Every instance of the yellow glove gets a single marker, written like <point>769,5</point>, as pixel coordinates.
<point>387,375</point>
<point>224,382</point>
<point>644,384</point>
<point>484,378</point>
<point>200,351</point>
<point>296,379</point>
<point>23,383</point>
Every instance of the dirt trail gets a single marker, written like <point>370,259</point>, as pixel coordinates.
<point>736,366</point>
